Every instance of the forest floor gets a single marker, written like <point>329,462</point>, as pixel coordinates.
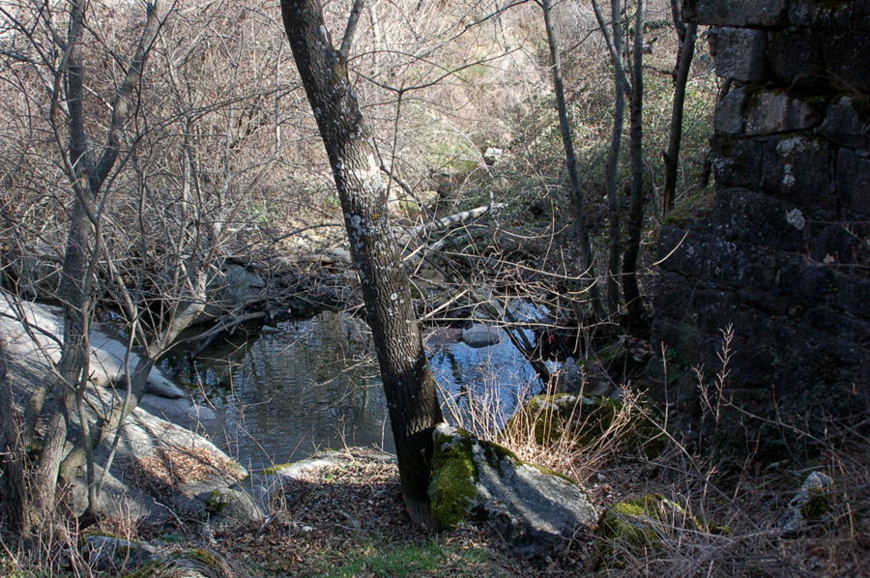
<point>348,519</point>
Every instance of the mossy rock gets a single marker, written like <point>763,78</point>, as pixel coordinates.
<point>452,490</point>
<point>215,502</point>
<point>586,419</point>
<point>812,503</point>
<point>818,488</point>
<point>475,480</point>
<point>276,469</point>
<point>229,508</point>
<point>635,527</point>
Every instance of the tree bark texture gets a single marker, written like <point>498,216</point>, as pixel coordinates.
<point>615,253</point>
<point>13,455</point>
<point>87,174</point>
<point>408,382</point>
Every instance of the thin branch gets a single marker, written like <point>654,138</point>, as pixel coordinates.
<point>121,106</point>
<point>352,21</point>
<point>611,47</point>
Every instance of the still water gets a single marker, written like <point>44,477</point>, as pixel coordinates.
<point>313,384</point>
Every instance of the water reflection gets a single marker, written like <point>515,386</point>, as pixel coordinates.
<point>301,386</point>
<point>490,380</point>
<point>314,384</point>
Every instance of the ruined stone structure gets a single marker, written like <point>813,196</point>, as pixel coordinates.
<point>784,253</point>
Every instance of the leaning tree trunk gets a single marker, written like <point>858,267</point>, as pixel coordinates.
<point>681,78</point>
<point>408,382</point>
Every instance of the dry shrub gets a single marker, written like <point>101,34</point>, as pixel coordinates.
<point>574,438</point>
<point>740,510</point>
<point>735,512</point>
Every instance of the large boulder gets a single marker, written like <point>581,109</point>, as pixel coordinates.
<point>159,469</point>
<point>232,508</point>
<point>241,285</point>
<point>475,480</point>
<point>34,331</point>
<point>232,289</point>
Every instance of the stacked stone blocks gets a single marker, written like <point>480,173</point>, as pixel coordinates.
<point>784,255</point>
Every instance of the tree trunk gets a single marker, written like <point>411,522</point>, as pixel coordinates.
<point>630,286</point>
<point>587,265</point>
<point>87,173</point>
<point>681,78</point>
<point>613,165</point>
<point>408,382</point>
<point>17,511</point>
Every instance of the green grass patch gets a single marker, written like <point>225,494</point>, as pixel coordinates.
<point>426,559</point>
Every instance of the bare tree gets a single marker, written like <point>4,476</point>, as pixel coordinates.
<point>630,286</point>
<point>59,62</point>
<point>587,264</point>
<point>686,33</point>
<point>408,382</point>
<point>621,87</point>
<point>634,88</point>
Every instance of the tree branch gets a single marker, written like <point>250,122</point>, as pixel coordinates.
<point>352,21</point>
<point>611,47</point>
<point>122,102</point>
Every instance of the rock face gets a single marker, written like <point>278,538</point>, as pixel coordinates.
<point>160,470</point>
<point>475,480</point>
<point>108,356</point>
<point>783,256</point>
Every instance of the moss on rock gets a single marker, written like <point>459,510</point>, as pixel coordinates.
<point>193,563</point>
<point>276,469</point>
<point>452,490</point>
<point>632,527</point>
<point>476,480</point>
<point>215,502</point>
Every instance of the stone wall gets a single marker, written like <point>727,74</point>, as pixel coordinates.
<point>784,254</point>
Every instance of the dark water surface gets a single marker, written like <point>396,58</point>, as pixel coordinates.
<point>313,384</point>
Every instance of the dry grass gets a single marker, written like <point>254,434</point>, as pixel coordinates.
<point>735,513</point>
